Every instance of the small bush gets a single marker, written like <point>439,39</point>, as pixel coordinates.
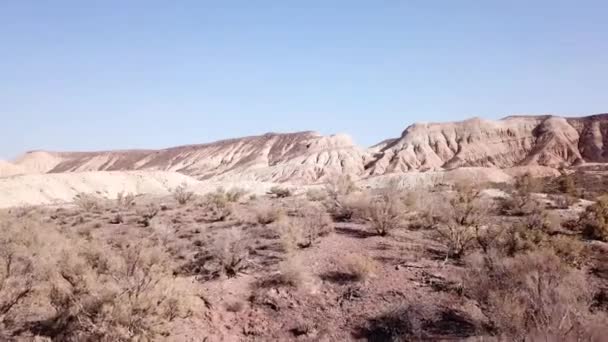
<point>344,207</point>
<point>292,273</point>
<point>267,213</point>
<point>87,202</point>
<point>182,195</point>
<point>304,231</point>
<point>93,293</point>
<point>216,207</point>
<point>463,218</point>
<point>594,220</point>
<point>530,296</point>
<point>146,214</point>
<point>230,254</point>
<point>384,213</point>
<point>316,195</point>
<point>235,194</point>
<point>340,185</point>
<point>125,200</point>
<point>360,267</point>
<point>279,192</point>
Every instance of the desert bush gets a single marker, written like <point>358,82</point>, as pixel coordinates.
<point>360,267</point>
<point>216,207</point>
<point>235,194</point>
<point>266,213</point>
<point>344,207</point>
<point>87,202</point>
<point>566,184</point>
<point>58,286</point>
<point>129,297</point>
<point>229,254</point>
<point>564,201</point>
<point>384,213</point>
<point>340,185</point>
<point>304,230</point>
<point>292,273</point>
<point>569,249</point>
<point>316,195</point>
<point>125,200</point>
<point>464,216</point>
<point>19,266</point>
<point>146,214</point>
<point>594,220</point>
<point>531,295</point>
<point>280,192</point>
<point>181,194</point>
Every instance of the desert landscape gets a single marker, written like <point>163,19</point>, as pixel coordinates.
<point>475,230</point>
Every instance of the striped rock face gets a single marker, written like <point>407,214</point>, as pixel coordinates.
<point>308,157</point>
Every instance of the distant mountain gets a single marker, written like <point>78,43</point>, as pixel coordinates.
<point>307,157</point>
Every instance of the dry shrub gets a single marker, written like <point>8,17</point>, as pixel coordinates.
<point>343,208</point>
<point>532,295</point>
<point>564,201</point>
<point>360,267</point>
<point>464,216</point>
<point>594,220</point>
<point>235,194</point>
<point>216,206</point>
<point>280,192</point>
<point>384,213</point>
<point>316,195</point>
<point>181,194</point>
<point>20,267</point>
<point>566,184</point>
<point>146,214</point>
<point>87,202</point>
<point>340,185</point>
<point>266,213</point>
<point>304,230</point>
<point>292,273</point>
<point>229,254</point>
<point>125,201</point>
<point>70,289</point>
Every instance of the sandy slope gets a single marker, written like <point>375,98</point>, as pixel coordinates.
<point>9,169</point>
<point>62,187</point>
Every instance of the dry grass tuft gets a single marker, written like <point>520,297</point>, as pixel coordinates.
<point>360,267</point>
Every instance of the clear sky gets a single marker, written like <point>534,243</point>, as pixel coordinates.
<point>90,75</point>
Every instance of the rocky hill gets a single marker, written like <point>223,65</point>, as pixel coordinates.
<point>307,157</point>
<point>296,157</point>
<point>513,141</point>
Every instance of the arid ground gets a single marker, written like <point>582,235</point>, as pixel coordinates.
<point>468,261</point>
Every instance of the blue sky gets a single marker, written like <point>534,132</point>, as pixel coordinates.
<point>91,75</point>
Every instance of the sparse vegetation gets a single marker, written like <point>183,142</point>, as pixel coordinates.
<point>131,271</point>
<point>384,213</point>
<point>182,195</point>
<point>266,213</point>
<point>125,200</point>
<point>87,202</point>
<point>462,221</point>
<point>594,220</point>
<point>279,192</point>
<point>532,296</point>
<point>215,206</point>
<point>361,267</point>
<point>304,230</point>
